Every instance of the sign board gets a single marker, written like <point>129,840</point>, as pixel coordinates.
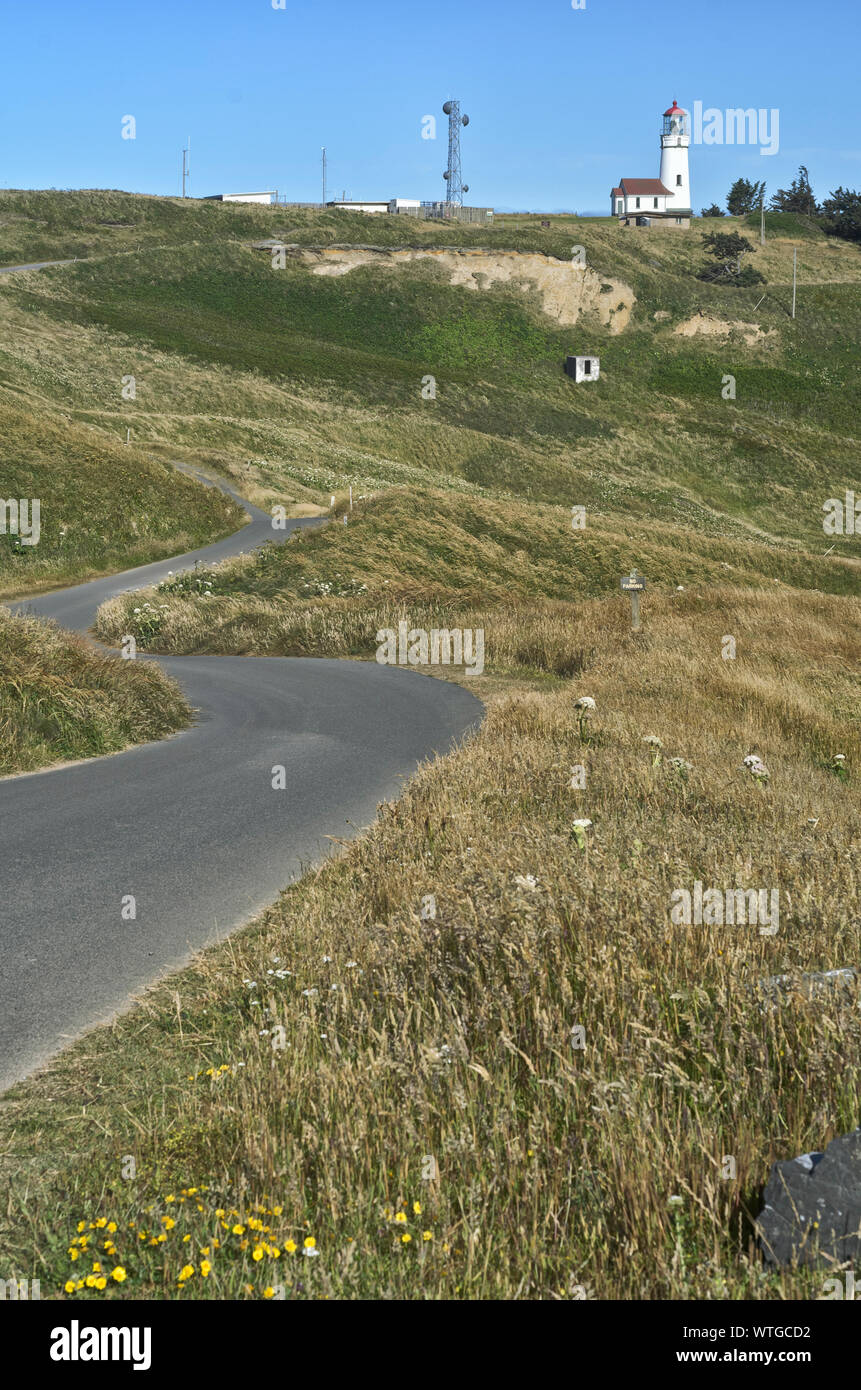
<point>634,584</point>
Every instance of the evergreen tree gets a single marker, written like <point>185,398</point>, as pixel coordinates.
<point>842,214</point>
<point>744,197</point>
<point>798,197</point>
<point>713,211</point>
<point>728,248</point>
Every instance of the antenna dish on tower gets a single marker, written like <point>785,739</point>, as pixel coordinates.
<point>456,187</point>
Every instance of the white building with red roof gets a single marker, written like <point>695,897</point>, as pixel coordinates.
<point>666,200</point>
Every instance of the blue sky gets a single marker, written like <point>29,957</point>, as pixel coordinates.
<point>562,102</point>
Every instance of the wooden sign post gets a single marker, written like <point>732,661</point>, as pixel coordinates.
<point>634,584</point>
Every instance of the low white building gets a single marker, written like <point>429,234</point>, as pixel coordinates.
<point>347,206</point>
<point>240,197</point>
<point>408,205</point>
<point>640,198</point>
<point>583,368</point>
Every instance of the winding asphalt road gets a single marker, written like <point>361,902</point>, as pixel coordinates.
<point>33,265</point>
<point>191,826</point>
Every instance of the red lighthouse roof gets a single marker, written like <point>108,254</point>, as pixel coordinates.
<point>675,110</point>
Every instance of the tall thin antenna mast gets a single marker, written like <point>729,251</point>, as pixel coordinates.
<point>324,176</point>
<point>186,158</point>
<point>455,187</point>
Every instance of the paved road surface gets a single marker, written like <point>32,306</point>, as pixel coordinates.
<point>191,825</point>
<point>34,265</point>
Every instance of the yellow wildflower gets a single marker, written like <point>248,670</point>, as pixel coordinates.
<point>119,1274</point>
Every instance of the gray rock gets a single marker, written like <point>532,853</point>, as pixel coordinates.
<point>812,984</point>
<point>812,1206</point>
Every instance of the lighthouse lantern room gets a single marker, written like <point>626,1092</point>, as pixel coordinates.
<point>664,201</point>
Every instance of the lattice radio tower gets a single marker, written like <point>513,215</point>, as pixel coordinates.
<point>455,187</point>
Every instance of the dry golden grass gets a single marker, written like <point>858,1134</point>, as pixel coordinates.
<point>61,699</point>
<point>450,1037</point>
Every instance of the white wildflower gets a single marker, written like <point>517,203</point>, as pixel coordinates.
<point>579,828</point>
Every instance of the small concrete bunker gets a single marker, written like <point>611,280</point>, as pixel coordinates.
<point>583,368</point>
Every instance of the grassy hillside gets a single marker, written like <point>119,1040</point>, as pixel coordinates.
<point>60,699</point>
<point>298,384</point>
<point>439,560</point>
<point>408,1092</point>
<point>397,1089</point>
<point>103,506</point>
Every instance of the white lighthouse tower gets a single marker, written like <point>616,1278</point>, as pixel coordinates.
<point>675,139</point>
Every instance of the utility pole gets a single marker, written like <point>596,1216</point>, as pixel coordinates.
<point>762,218</point>
<point>794,276</point>
<point>186,172</point>
<point>324,176</point>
